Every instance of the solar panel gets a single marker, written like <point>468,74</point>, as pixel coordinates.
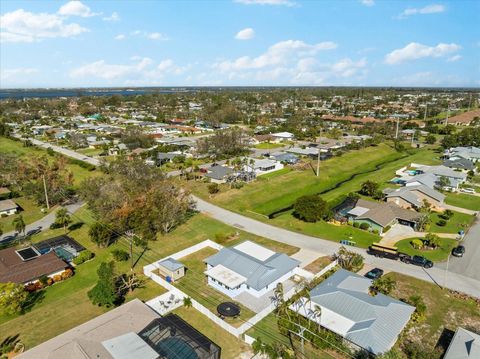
<point>27,253</point>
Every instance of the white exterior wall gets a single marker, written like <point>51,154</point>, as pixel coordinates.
<point>9,212</point>
<point>278,166</point>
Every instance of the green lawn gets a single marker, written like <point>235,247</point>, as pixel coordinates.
<point>90,151</point>
<point>463,200</point>
<point>30,213</point>
<point>435,255</point>
<point>231,346</point>
<point>456,223</point>
<point>268,176</point>
<point>66,304</point>
<point>195,285</point>
<point>445,310</point>
<point>268,146</point>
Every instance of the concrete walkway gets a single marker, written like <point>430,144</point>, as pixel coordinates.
<point>399,232</point>
<point>459,209</point>
<point>46,221</point>
<point>435,275</point>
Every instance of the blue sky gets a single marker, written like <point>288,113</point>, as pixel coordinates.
<point>239,42</point>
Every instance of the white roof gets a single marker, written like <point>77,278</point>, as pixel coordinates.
<point>254,250</point>
<point>226,276</point>
<point>129,346</point>
<point>283,134</point>
<point>358,211</point>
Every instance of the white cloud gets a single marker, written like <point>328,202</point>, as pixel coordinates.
<point>347,67</point>
<point>267,2</point>
<point>17,74</point>
<point>429,9</point>
<point>101,69</point>
<point>113,17</point>
<point>120,37</point>
<point>368,2</point>
<point>76,8</point>
<point>168,66</point>
<point>415,51</point>
<point>245,34</point>
<point>277,54</point>
<point>24,26</point>
<point>156,36</point>
<point>454,58</point>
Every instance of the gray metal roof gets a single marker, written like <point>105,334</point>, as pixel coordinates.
<point>443,171</point>
<point>218,172</point>
<point>407,193</point>
<point>171,264</point>
<point>129,346</point>
<point>464,345</point>
<point>378,320</point>
<point>428,179</point>
<point>459,162</point>
<point>259,273</point>
<point>7,204</point>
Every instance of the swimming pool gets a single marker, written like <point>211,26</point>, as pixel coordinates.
<point>175,348</point>
<point>64,254</point>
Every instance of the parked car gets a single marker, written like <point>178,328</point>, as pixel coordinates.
<point>467,190</point>
<point>375,273</point>
<point>418,261</point>
<point>33,231</point>
<point>458,251</point>
<point>7,239</point>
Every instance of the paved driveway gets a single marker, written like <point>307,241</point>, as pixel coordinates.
<point>437,275</point>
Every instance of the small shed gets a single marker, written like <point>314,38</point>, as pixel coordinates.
<point>171,268</point>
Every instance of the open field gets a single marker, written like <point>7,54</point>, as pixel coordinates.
<point>65,304</point>
<point>445,311</point>
<point>268,146</point>
<point>458,222</point>
<point>195,285</point>
<point>16,147</point>
<point>435,255</point>
<point>463,200</point>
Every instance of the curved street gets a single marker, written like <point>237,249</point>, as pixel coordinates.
<point>437,275</point>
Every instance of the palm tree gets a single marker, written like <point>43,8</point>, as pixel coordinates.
<point>187,302</point>
<point>62,217</point>
<point>317,312</point>
<point>19,224</point>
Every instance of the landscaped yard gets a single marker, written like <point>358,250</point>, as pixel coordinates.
<point>30,213</point>
<point>318,264</point>
<point>194,284</point>
<point>65,304</point>
<point>456,223</point>
<point>268,146</point>
<point>463,200</point>
<point>444,310</point>
<point>435,255</point>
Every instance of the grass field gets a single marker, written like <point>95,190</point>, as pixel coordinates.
<point>65,304</point>
<point>435,255</point>
<point>458,222</point>
<point>268,146</point>
<point>462,200</point>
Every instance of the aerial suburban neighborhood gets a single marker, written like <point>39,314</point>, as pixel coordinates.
<point>314,200</point>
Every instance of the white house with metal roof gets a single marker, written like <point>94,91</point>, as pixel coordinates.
<point>248,267</point>
<point>262,166</point>
<point>464,345</point>
<point>342,304</point>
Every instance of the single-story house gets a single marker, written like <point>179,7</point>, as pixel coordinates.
<point>262,166</point>
<point>379,215</point>
<point>248,267</point>
<point>132,330</point>
<point>8,207</point>
<point>370,322</point>
<point>219,173</point>
<point>285,157</point>
<point>459,163</point>
<point>118,149</point>
<point>171,268</point>
<point>27,265</point>
<point>470,153</point>
<point>465,344</point>
<point>413,197</point>
<point>283,136</point>
<point>307,151</point>
<point>455,177</point>
<point>465,118</point>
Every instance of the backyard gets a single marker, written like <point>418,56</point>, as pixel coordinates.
<point>456,223</point>
<point>30,212</point>
<point>462,200</point>
<point>49,316</point>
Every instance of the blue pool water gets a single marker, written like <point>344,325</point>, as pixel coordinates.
<point>64,254</point>
<point>175,348</point>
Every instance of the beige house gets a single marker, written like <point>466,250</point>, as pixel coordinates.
<point>171,268</point>
<point>8,207</point>
<point>413,197</point>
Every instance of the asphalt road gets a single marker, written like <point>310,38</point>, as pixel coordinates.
<point>437,275</point>
<point>469,264</point>
<point>46,221</point>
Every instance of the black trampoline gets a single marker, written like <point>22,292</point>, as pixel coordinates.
<point>228,309</point>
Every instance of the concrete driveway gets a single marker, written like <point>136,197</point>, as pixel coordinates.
<point>396,233</point>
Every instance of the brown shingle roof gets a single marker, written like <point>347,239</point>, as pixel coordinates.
<point>13,269</point>
<point>384,213</point>
<point>465,117</point>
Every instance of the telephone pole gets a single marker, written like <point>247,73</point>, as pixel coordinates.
<point>425,115</point>
<point>318,158</point>
<point>46,194</point>
<point>396,131</point>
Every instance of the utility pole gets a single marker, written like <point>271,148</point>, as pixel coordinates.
<point>425,115</point>
<point>445,274</point>
<point>446,119</point>
<point>396,131</point>
<point>46,194</point>
<point>130,235</point>
<point>318,158</point>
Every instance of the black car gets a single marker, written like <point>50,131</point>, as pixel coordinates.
<point>7,239</point>
<point>458,251</point>
<point>375,273</point>
<point>33,231</point>
<point>420,261</point>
